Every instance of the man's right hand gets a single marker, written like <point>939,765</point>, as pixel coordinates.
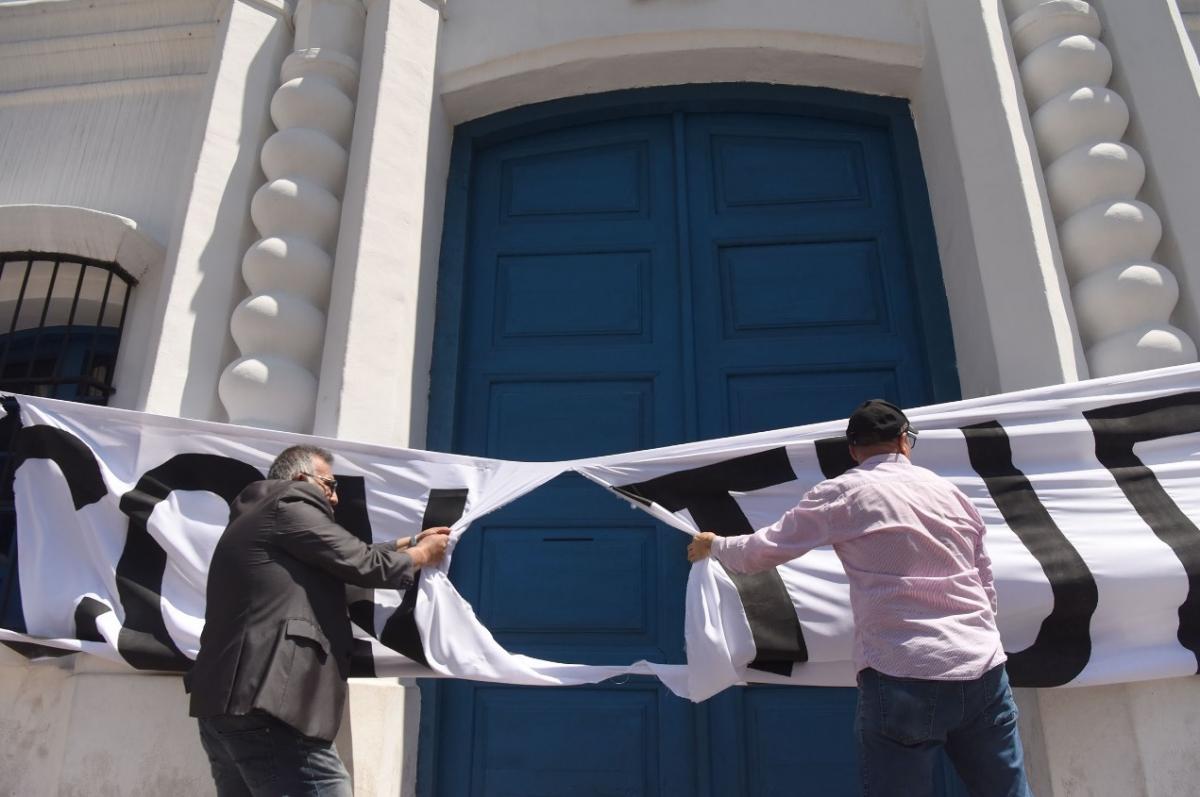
<point>701,546</point>
<point>432,548</point>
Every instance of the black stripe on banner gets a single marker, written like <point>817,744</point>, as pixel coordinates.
<point>82,474</point>
<point>705,493</point>
<point>73,458</point>
<point>351,514</point>
<point>144,641</point>
<point>400,633</point>
<point>86,613</point>
<point>362,657</point>
<point>1117,430</point>
<point>1063,644</point>
<point>833,456</point>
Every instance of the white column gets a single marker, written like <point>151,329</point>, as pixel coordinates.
<point>1013,326</point>
<point>375,373</point>
<point>1123,300</point>
<point>1155,69</point>
<point>280,328</point>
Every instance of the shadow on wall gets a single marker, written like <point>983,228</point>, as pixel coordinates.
<point>219,287</point>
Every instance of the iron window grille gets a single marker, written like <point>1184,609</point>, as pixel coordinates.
<point>61,319</point>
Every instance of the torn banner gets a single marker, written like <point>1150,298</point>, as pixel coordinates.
<point>1089,492</point>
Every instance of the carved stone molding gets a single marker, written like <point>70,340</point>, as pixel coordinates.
<point>280,328</point>
<point>1122,299</point>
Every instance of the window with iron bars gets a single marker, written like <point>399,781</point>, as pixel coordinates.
<point>61,318</point>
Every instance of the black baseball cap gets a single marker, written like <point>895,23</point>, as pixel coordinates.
<point>875,421</point>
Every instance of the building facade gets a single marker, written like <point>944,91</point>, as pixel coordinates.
<point>536,230</point>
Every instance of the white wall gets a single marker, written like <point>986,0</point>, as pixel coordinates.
<point>94,148</point>
<point>79,725</point>
<point>1156,71</point>
<point>660,43</point>
<point>99,102</point>
<point>480,32</point>
<point>1127,740</point>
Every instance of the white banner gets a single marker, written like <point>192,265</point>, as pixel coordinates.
<point>1089,493</point>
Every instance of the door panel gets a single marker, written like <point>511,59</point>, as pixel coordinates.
<point>630,281</point>
<point>572,348</point>
<point>803,288</point>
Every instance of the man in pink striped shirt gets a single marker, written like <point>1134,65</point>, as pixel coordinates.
<point>929,658</point>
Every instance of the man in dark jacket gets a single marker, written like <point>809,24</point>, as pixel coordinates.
<point>269,683</point>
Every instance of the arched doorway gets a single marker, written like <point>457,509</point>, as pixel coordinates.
<point>633,270</point>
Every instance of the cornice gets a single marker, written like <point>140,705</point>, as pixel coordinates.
<point>111,56</point>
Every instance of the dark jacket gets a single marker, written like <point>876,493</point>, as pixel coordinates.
<point>276,631</point>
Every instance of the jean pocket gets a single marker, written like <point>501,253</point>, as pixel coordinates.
<point>252,745</point>
<point>241,725</point>
<point>1006,715</point>
<point>907,709</point>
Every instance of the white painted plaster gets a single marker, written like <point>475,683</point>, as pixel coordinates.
<point>278,331</point>
<point>113,147</point>
<point>27,20</point>
<point>1033,743</point>
<point>495,56</point>
<point>314,102</point>
<point>35,710</point>
<point>517,34</point>
<point>297,208</point>
<point>637,60</point>
<point>375,374</point>
<point>306,267</point>
<point>1156,69</point>
<point>1087,115</point>
<point>1092,181</point>
<point>378,737</point>
<point>129,733</point>
<point>81,726</point>
<point>212,230</point>
<point>978,372</point>
<point>1133,740</point>
<point>991,213</point>
<point>306,154</point>
<point>97,57</point>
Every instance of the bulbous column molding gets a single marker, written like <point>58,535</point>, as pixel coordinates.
<point>1122,299</point>
<point>280,328</point>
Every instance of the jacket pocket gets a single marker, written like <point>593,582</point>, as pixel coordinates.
<point>305,633</point>
<point>301,651</point>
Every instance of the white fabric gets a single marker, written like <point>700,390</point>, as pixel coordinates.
<point>65,555</point>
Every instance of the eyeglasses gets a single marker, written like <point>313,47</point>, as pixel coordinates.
<point>911,434</point>
<point>329,484</point>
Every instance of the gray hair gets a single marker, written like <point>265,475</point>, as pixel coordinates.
<point>297,460</point>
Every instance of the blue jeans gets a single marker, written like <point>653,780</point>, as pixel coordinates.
<point>903,723</point>
<point>256,755</point>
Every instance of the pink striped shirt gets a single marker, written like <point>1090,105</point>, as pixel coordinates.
<point>912,545</point>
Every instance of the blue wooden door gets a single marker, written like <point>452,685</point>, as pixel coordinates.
<point>634,271</point>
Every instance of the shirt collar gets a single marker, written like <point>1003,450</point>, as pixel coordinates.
<point>879,459</point>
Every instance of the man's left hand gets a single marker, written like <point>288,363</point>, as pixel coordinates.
<point>430,531</point>
<point>407,542</point>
